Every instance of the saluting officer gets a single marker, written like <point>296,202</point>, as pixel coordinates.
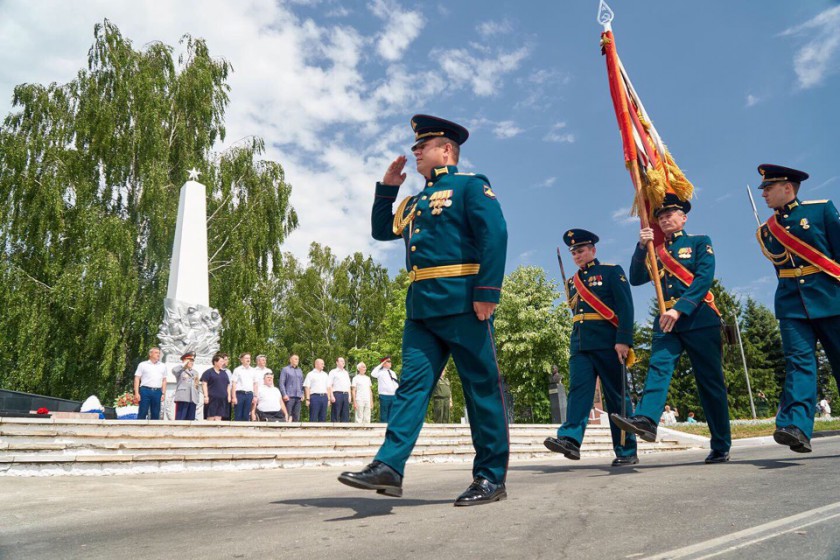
<point>456,240</point>
<point>691,323</point>
<point>802,240</point>
<point>602,334</point>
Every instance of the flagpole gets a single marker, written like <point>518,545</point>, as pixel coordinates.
<point>746,371</point>
<point>605,17</point>
<point>645,223</point>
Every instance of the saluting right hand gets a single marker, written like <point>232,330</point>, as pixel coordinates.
<point>645,235</point>
<point>394,174</point>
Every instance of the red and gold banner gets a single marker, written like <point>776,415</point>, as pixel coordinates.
<point>642,146</point>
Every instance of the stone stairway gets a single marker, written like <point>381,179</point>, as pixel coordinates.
<point>43,447</point>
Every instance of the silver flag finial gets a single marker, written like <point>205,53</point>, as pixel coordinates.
<point>605,14</point>
<point>194,173</point>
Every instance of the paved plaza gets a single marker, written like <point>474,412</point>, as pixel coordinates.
<point>766,503</point>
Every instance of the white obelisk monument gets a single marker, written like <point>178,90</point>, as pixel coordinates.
<point>189,323</point>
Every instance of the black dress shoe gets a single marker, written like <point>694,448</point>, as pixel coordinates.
<point>717,457</point>
<point>564,445</point>
<point>639,425</point>
<point>625,461</point>
<point>481,491</point>
<point>794,438</point>
<point>376,476</point>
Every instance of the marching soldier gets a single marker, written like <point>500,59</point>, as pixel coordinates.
<point>456,240</point>
<point>691,323</point>
<point>802,240</point>
<point>602,334</point>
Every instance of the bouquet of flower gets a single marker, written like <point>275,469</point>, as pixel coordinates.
<point>126,399</point>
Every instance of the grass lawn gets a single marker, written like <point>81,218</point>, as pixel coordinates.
<point>753,429</point>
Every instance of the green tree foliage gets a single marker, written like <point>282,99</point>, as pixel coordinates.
<point>90,173</point>
<point>329,308</point>
<point>763,350</point>
<point>532,334</point>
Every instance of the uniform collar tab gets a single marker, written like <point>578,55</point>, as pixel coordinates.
<point>442,171</point>
<point>590,264</point>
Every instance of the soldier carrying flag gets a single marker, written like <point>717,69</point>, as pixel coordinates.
<point>689,320</point>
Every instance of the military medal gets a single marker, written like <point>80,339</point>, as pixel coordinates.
<point>440,200</point>
<point>684,253</point>
<point>804,223</point>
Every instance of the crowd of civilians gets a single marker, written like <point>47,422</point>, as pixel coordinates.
<point>249,393</point>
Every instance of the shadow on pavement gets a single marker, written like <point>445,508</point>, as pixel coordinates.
<point>763,464</point>
<point>364,507</point>
<point>605,468</point>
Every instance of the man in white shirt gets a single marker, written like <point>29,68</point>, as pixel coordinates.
<point>669,417</point>
<point>259,374</point>
<point>245,384</point>
<point>362,394</point>
<point>825,407</point>
<point>150,385</point>
<point>386,385</point>
<point>270,406</point>
<point>338,390</point>
<point>315,392</point>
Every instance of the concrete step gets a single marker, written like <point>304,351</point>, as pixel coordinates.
<point>79,447</point>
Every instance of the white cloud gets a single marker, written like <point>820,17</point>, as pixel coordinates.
<point>481,73</point>
<point>760,289</point>
<point>401,28</point>
<point>494,27</point>
<point>558,134</point>
<point>817,58</point>
<point>507,129</point>
<point>752,100</point>
<point>622,216</point>
<point>525,256</point>
<point>500,129</point>
<point>824,183</point>
<point>331,112</point>
<point>547,183</point>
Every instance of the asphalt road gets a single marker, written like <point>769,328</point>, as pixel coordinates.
<point>766,503</point>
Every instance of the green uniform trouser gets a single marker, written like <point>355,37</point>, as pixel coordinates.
<point>799,341</point>
<point>440,410</point>
<point>584,369</point>
<point>704,350</point>
<point>427,345</point>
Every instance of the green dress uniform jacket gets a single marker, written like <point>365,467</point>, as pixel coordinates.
<point>695,252</point>
<point>609,284</point>
<point>807,305</point>
<point>805,296</point>
<point>469,229</point>
<point>455,222</point>
<point>593,353</point>
<point>697,332</point>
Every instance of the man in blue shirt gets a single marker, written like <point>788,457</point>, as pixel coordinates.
<point>291,387</point>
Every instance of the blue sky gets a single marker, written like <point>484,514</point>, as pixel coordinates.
<point>331,87</point>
